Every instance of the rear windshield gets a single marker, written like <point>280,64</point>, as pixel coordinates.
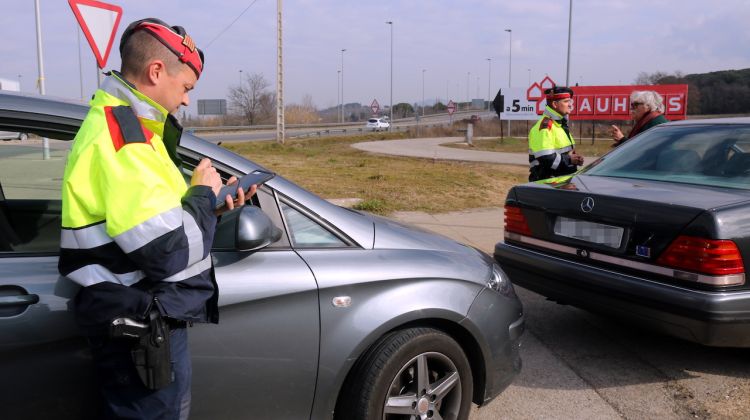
<point>714,155</point>
<point>372,120</point>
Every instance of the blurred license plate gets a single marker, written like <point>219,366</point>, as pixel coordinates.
<point>582,230</point>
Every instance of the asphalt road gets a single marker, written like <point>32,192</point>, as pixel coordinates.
<point>578,365</point>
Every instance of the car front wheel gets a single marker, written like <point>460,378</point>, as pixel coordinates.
<point>417,373</point>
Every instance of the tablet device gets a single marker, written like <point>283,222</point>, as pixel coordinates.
<point>256,177</point>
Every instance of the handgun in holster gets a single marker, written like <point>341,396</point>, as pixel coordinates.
<point>151,353</point>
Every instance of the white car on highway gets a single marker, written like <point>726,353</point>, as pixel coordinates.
<point>377,124</point>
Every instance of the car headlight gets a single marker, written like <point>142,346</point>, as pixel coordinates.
<point>500,282</point>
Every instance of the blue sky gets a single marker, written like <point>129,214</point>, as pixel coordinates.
<point>612,42</point>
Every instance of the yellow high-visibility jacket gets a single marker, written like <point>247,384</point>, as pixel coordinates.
<point>549,145</point>
<point>133,233</point>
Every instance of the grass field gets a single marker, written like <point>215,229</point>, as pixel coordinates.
<point>520,145</point>
<point>331,168</point>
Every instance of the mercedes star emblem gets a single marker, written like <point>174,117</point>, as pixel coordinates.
<point>587,205</point>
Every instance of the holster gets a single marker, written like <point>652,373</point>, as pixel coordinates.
<point>151,355</point>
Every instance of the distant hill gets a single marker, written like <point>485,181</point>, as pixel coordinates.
<point>718,92</point>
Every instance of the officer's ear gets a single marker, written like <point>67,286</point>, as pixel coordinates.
<point>155,72</point>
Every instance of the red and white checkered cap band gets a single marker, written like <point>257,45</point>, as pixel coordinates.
<point>182,45</point>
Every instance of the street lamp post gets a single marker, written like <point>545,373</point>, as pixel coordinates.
<point>342,84</point>
<point>423,70</point>
<point>338,93</point>
<point>390,126</point>
<point>510,60</point>
<point>570,23</point>
<point>468,77</point>
<point>489,82</point>
<point>240,79</point>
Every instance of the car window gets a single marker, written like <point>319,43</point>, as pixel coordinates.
<point>713,155</point>
<point>30,208</point>
<point>306,233</point>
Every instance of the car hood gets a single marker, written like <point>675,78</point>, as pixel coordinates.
<point>390,234</point>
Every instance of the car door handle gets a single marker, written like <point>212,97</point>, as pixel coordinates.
<point>18,300</point>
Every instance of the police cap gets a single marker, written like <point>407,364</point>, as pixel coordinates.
<point>173,37</point>
<point>558,92</point>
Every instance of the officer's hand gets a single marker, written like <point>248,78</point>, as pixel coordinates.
<point>615,132</point>
<point>242,196</point>
<point>205,174</point>
<point>575,158</point>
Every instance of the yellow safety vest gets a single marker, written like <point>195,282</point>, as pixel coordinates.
<point>549,145</point>
<point>133,233</point>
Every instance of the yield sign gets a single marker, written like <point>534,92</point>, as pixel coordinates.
<point>375,106</point>
<point>451,107</point>
<point>99,23</point>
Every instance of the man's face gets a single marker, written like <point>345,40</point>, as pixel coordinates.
<point>563,106</point>
<point>173,89</point>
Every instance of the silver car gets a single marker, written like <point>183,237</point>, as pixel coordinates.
<point>326,313</point>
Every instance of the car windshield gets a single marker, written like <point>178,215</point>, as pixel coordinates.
<point>372,120</point>
<point>714,155</point>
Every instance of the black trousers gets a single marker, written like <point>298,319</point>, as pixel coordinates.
<point>125,396</point>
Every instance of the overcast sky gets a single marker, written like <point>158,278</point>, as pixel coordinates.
<point>612,41</point>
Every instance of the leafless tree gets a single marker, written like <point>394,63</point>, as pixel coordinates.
<point>251,98</point>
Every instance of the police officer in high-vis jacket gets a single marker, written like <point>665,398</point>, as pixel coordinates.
<point>551,147</point>
<point>134,235</point>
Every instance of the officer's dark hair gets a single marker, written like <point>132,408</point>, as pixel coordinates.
<point>140,49</point>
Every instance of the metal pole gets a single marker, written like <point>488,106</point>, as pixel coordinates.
<point>19,83</point>
<point>280,128</point>
<point>40,61</point>
<point>80,63</point>
<point>338,95</point>
<point>423,70</point>
<point>468,76</point>
<point>342,84</point>
<point>489,82</point>
<point>570,25</point>
<point>510,61</point>
<point>390,128</point>
<point>240,78</point>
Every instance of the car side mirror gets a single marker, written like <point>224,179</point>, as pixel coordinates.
<point>245,228</point>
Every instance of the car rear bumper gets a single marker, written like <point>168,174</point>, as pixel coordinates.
<point>502,361</point>
<point>711,318</point>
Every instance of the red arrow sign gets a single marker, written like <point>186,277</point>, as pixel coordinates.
<point>375,106</point>
<point>451,107</point>
<point>99,23</point>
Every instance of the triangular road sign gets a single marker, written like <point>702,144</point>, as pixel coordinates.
<point>99,23</point>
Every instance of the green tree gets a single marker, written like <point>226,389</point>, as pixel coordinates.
<point>403,109</point>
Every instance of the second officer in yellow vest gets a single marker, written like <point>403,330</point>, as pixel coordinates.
<point>551,147</point>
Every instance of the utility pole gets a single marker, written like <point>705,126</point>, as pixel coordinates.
<point>280,129</point>
<point>489,82</point>
<point>390,127</point>
<point>40,61</point>
<point>342,84</point>
<point>423,70</point>
<point>570,25</point>
<point>510,61</point>
<point>338,95</point>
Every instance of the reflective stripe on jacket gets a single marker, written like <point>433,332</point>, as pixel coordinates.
<point>131,228</point>
<point>549,146</point>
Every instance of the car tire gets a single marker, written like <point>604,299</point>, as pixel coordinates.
<point>412,373</point>
<point>23,137</point>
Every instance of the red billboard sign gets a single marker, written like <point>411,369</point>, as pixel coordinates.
<point>613,102</point>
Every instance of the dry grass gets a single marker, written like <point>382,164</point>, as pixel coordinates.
<point>331,168</point>
<point>520,145</point>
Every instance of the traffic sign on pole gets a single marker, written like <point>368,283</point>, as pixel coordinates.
<point>451,107</point>
<point>99,23</point>
<point>375,106</point>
